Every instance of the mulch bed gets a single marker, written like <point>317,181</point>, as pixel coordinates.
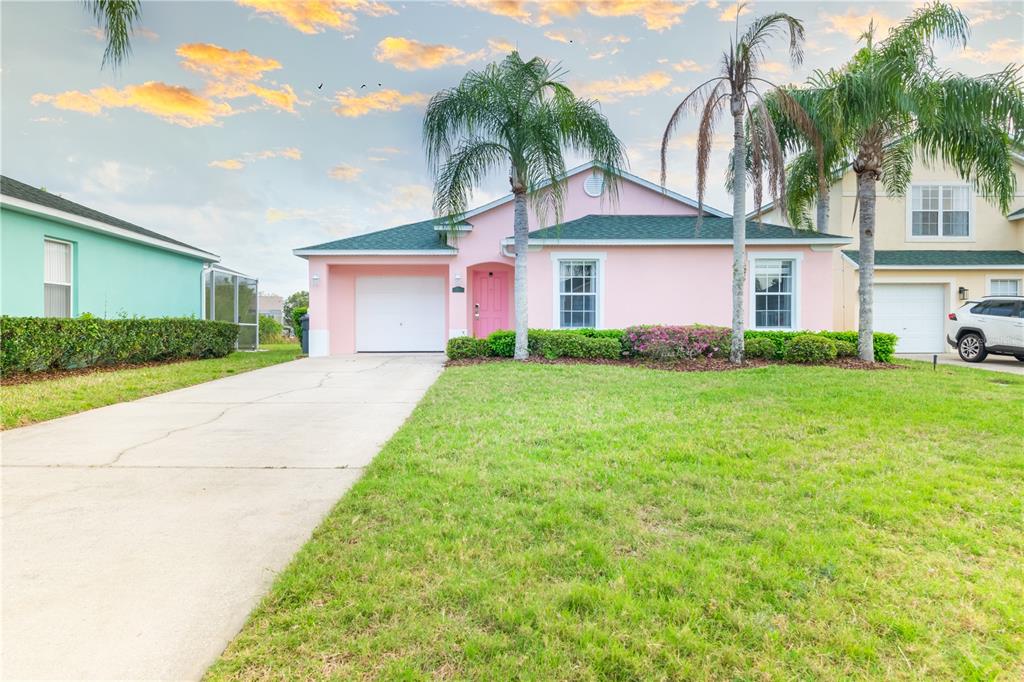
<point>15,378</point>
<point>702,365</point>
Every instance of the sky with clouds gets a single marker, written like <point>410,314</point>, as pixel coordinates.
<point>219,133</point>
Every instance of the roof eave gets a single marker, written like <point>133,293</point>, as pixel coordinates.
<point>32,208</point>
<point>829,241</point>
<point>304,253</point>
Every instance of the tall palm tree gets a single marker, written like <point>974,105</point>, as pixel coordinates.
<point>740,87</point>
<point>892,101</point>
<point>518,117</point>
<point>117,19</point>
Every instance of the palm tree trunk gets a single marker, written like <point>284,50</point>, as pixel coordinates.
<point>822,217</point>
<point>865,292</point>
<point>521,235</point>
<point>739,235</point>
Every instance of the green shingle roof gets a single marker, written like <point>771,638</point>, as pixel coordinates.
<point>419,236</point>
<point>1016,215</point>
<point>940,259</point>
<point>666,228</point>
<point>10,187</point>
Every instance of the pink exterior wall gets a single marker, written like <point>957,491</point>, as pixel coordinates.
<point>657,284</point>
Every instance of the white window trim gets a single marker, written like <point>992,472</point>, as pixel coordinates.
<point>556,258</point>
<point>989,278</point>
<point>911,237</point>
<point>797,258</point>
<point>71,274</point>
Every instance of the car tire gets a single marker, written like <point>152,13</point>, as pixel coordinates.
<point>971,347</point>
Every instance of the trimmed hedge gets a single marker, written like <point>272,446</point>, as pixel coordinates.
<point>885,343</point>
<point>759,348</point>
<point>810,349</point>
<point>845,349</point>
<point>33,344</point>
<point>547,343</point>
<point>462,347</point>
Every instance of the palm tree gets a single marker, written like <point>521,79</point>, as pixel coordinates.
<point>892,101</point>
<point>516,116</point>
<point>739,85</point>
<point>117,18</point>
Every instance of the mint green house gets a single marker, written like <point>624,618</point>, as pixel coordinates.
<point>62,259</point>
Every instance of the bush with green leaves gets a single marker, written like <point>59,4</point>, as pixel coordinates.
<point>560,343</point>
<point>846,349</point>
<point>33,344</point>
<point>809,349</point>
<point>462,347</point>
<point>297,313</point>
<point>761,348</point>
<point>885,343</point>
<point>271,331</point>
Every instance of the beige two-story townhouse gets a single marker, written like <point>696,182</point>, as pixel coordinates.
<point>940,244</point>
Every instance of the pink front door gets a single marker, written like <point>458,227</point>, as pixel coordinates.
<point>490,301</point>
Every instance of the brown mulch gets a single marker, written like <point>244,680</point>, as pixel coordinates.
<point>702,365</point>
<point>15,378</point>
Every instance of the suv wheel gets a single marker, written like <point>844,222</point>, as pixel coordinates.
<point>971,347</point>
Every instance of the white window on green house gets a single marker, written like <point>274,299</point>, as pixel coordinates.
<point>940,211</point>
<point>773,293</point>
<point>1005,287</point>
<point>577,293</point>
<point>57,278</point>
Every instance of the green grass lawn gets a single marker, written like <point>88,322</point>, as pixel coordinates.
<point>22,404</point>
<point>609,523</point>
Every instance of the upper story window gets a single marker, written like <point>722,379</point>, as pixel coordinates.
<point>56,278</point>
<point>940,211</point>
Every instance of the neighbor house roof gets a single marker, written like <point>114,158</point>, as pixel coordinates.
<point>940,260</point>
<point>416,238</point>
<point>669,229</point>
<point>1016,215</point>
<point>27,199</point>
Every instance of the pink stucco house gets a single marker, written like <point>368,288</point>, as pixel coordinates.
<point>607,265</point>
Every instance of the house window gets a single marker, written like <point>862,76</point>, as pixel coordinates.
<point>56,278</point>
<point>577,293</point>
<point>773,293</point>
<point>1005,287</point>
<point>940,211</point>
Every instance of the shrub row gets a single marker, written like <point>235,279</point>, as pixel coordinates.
<point>32,344</point>
<point>672,342</point>
<point>547,343</point>
<point>885,343</point>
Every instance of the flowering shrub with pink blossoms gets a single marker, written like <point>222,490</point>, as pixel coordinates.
<point>671,342</point>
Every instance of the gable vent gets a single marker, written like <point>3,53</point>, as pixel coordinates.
<point>594,185</point>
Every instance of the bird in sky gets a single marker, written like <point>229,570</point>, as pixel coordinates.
<point>362,86</point>
<point>320,87</point>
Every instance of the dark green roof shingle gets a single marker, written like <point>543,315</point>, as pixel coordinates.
<point>10,187</point>
<point>419,236</point>
<point>666,228</point>
<point>1016,215</point>
<point>940,259</point>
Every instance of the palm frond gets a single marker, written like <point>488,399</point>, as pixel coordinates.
<point>117,18</point>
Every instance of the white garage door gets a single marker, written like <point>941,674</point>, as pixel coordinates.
<point>400,314</point>
<point>915,313</point>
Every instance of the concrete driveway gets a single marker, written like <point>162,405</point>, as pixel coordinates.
<point>993,363</point>
<point>137,537</point>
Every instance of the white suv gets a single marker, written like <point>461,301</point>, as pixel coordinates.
<point>995,325</point>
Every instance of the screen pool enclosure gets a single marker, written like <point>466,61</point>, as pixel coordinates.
<point>230,296</point>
